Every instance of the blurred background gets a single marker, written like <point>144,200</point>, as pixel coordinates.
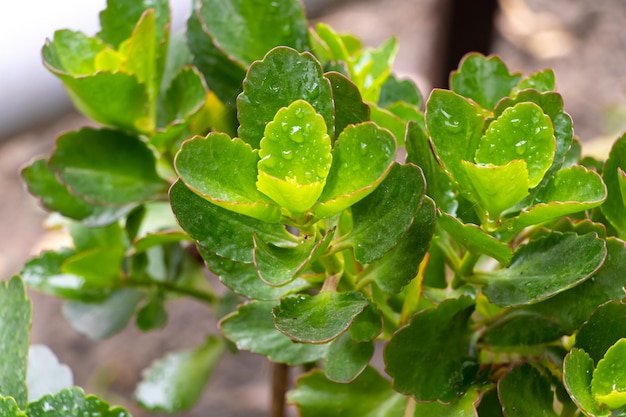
<point>583,41</point>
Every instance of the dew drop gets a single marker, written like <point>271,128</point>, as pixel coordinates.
<point>287,154</point>
<point>363,148</point>
<point>516,122</point>
<point>520,147</point>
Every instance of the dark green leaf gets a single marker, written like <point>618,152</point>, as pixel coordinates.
<point>603,329</point>
<point>103,319</point>
<point>73,403</point>
<point>223,232</point>
<point>441,364</point>
<point>370,395</point>
<point>388,120</point>
<point>282,77</point>
<point>243,278</point>
<point>45,374</point>
<point>381,218</point>
<point>525,392</point>
<point>573,307</point>
<point>521,328</point>
<point>363,155</point>
<point>318,318</point>
<point>15,320</point>
<point>613,175</point>
<point>153,315</point>
<point>394,90</point>
<point>349,106</point>
<point>545,267</point>
<point>346,359</point>
<point>252,328</point>
<point>608,385</point>
<point>106,166</point>
<point>230,180</point>
<point>400,264</point>
<point>295,158</point>
<point>185,96</point>
<point>485,80</point>
<point>176,382</point>
<point>577,373</point>
<point>475,239</point>
<point>367,325</point>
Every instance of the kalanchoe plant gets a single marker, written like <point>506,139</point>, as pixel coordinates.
<point>464,235</point>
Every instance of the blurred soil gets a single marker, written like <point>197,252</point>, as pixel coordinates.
<point>583,41</point>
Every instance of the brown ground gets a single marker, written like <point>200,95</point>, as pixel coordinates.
<point>583,41</point>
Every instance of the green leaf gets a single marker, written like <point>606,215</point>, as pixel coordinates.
<point>243,278</point>
<point>381,218</point>
<point>438,185</point>
<point>45,374</point>
<point>252,328</point>
<point>370,68</point>
<point>318,318</point>
<point>485,80</point>
<point>573,307</point>
<point>400,265</point>
<point>608,385</point>
<point>542,81</point>
<point>153,314</point>
<point>573,189</point>
<point>369,395</point>
<point>103,319</point>
<point>475,239</point>
<point>520,132</point>
<point>349,106</point>
<point>221,231</point>
<point>73,403</point>
<point>119,19</point>
<point>525,392</point>
<point>100,267</point>
<point>223,75</point>
<point>241,32</point>
<point>346,358</point>
<point>388,120</point>
<point>577,375</point>
<point>295,158</point>
<point>175,383</point>
<point>455,125</point>
<point>395,90</point>
<point>498,187</point>
<point>279,266</point>
<point>367,325</point>
<point>9,408</point>
<point>282,77</point>
<point>106,166</point>
<point>15,320</point>
<point>545,267</point>
<point>462,407</point>
<point>522,328</point>
<point>71,52</point>
<point>602,330</point>
<point>442,365</point>
<point>223,170</point>
<point>361,158</point>
<point>613,208</point>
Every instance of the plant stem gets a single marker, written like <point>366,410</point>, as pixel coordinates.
<point>205,297</point>
<point>465,269</point>
<point>409,409</point>
<point>280,375</point>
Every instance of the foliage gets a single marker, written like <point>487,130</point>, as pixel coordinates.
<point>463,233</point>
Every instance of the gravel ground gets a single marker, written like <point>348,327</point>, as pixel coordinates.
<point>583,41</point>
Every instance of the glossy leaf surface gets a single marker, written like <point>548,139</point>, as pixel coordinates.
<point>346,358</point>
<point>602,330</point>
<point>349,106</point>
<point>252,328</point>
<point>361,158</point>
<point>175,382</point>
<point>545,267</point>
<point>15,319</point>
<point>106,166</point>
<point>73,403</point>
<point>295,158</point>
<point>223,170</point>
<point>608,385</point>
<point>578,370</point>
<point>370,395</point>
<point>385,215</point>
<point>318,318</point>
<point>442,364</point>
<point>282,77</point>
